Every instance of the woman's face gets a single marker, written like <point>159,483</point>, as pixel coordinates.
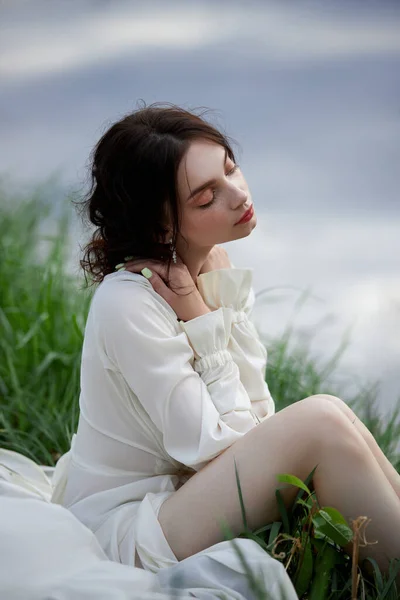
<point>210,215</point>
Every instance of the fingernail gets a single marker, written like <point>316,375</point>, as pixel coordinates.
<point>120,267</point>
<point>128,258</point>
<point>146,273</point>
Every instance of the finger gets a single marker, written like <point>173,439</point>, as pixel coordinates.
<point>155,267</point>
<point>158,284</point>
<point>136,267</point>
<point>159,267</point>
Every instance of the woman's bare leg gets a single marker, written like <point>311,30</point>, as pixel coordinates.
<point>384,463</point>
<point>294,440</point>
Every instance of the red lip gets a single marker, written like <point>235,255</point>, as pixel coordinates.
<point>247,216</point>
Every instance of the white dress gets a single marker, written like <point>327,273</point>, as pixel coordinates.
<point>160,398</point>
<point>46,553</point>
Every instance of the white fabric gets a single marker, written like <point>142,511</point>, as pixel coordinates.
<point>46,553</point>
<point>159,399</point>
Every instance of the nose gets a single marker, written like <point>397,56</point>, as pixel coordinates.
<point>240,197</point>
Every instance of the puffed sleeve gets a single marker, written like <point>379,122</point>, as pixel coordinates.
<point>184,377</point>
<point>232,288</point>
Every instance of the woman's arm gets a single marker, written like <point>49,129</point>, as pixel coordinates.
<point>187,382</point>
<point>231,287</point>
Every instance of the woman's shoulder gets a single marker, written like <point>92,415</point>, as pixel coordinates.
<point>120,281</point>
<point>128,295</point>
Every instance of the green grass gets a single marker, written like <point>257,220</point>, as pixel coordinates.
<point>42,317</point>
<point>43,312</point>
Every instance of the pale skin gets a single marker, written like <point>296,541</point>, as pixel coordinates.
<point>353,474</point>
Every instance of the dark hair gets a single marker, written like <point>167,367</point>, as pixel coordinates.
<point>134,185</point>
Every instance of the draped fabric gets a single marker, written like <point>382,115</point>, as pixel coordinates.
<point>159,399</point>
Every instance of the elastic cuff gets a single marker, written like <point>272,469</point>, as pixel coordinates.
<point>212,361</point>
<point>209,333</point>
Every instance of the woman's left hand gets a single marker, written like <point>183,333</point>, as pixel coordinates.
<point>217,259</point>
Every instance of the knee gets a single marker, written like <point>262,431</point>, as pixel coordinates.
<point>328,422</point>
<point>331,404</point>
<point>328,398</point>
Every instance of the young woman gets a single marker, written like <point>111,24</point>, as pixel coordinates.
<point>173,372</point>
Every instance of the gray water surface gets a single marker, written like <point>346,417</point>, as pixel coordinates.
<point>311,92</point>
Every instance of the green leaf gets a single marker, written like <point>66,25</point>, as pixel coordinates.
<point>285,478</point>
<point>335,515</point>
<point>241,497</point>
<point>304,570</point>
<point>274,531</point>
<point>377,574</point>
<point>304,503</point>
<point>392,576</point>
<point>78,327</point>
<point>282,510</point>
<point>331,523</point>
<point>319,544</point>
<point>32,331</point>
<point>262,529</point>
<point>49,359</point>
<point>323,567</point>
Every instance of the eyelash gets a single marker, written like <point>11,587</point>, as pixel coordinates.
<point>214,196</point>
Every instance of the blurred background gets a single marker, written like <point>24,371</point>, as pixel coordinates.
<point>311,92</point>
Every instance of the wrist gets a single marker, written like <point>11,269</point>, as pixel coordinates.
<point>199,311</point>
<point>204,310</point>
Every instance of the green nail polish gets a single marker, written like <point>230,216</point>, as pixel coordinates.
<point>146,273</point>
<point>120,266</point>
<point>128,258</point>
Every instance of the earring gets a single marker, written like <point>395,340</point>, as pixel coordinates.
<point>173,251</point>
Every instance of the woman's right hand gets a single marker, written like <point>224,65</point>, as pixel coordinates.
<point>179,290</point>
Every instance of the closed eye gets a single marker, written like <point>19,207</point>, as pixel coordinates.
<point>231,172</point>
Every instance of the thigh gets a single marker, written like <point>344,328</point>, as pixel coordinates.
<point>287,442</point>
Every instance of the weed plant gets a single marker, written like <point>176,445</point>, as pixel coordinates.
<point>43,311</point>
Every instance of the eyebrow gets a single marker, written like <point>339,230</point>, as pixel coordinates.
<point>207,184</point>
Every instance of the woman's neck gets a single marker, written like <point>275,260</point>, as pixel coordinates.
<point>194,258</point>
